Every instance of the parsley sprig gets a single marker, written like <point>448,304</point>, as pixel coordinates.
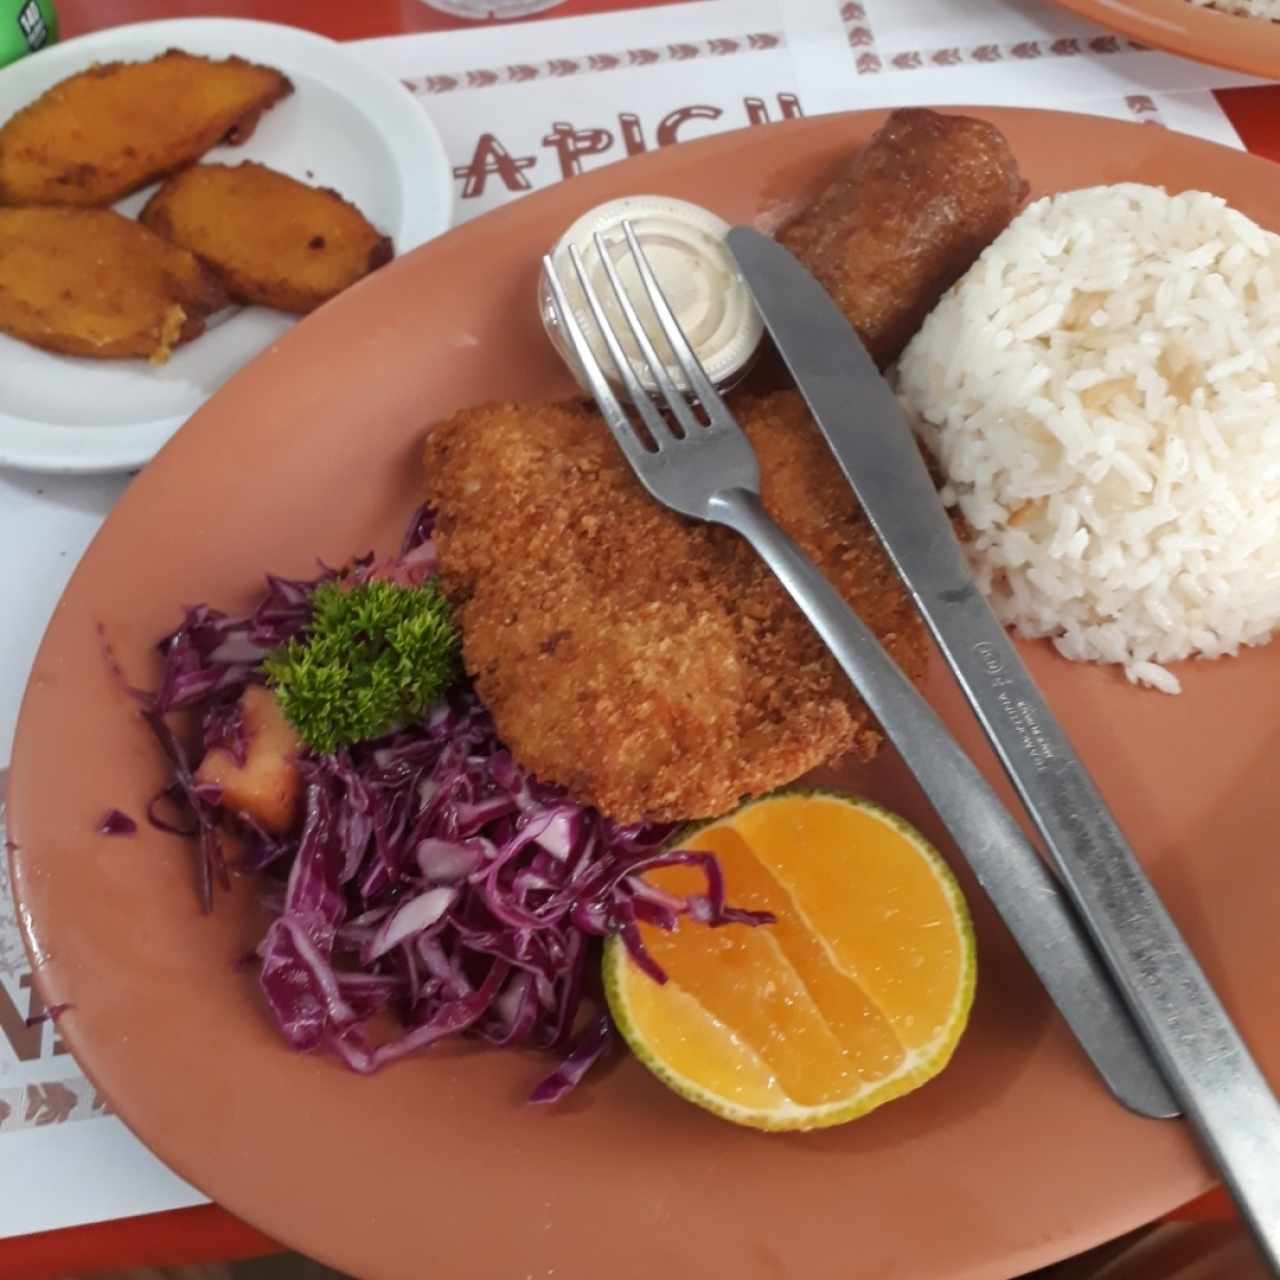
<point>373,658</point>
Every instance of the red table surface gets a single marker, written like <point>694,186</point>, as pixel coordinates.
<point>209,1233</point>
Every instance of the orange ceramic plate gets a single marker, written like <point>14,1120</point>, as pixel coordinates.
<point>1251,45</point>
<point>1014,1157</point>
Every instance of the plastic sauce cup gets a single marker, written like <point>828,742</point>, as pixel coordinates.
<point>684,244</point>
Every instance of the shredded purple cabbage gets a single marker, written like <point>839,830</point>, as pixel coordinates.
<point>51,1014</point>
<point>116,823</point>
<point>431,877</point>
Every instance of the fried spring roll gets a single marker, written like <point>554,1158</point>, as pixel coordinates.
<point>906,219</point>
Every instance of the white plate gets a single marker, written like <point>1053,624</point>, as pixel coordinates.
<point>347,125</point>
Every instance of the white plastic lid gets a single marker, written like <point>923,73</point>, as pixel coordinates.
<point>684,244</point>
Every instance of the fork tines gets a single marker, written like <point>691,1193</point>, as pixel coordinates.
<point>674,399</point>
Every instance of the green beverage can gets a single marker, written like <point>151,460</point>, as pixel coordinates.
<point>25,26</point>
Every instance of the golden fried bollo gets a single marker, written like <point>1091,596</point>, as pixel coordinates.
<point>905,219</point>
<point>271,239</point>
<point>107,131</point>
<point>89,282</point>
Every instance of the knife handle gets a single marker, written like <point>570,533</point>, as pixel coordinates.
<point>1008,868</point>
<point>1199,1050</point>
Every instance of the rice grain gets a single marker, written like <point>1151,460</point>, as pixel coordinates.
<point>1101,390</point>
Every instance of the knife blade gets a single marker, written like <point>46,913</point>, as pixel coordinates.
<point>1175,1011</point>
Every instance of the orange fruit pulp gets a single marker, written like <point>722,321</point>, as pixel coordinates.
<point>857,994</point>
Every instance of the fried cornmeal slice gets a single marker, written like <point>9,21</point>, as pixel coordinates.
<point>100,134</point>
<point>89,282</point>
<point>271,239</point>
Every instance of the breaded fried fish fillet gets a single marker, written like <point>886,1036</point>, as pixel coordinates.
<point>650,664</point>
<point>89,282</point>
<point>107,131</point>
<point>905,219</point>
<point>271,239</point>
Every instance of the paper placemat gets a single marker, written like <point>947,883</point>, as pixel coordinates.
<point>591,91</point>
<point>520,108</point>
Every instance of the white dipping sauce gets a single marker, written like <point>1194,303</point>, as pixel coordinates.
<point>684,244</point>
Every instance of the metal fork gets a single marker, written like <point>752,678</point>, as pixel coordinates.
<point>707,470</point>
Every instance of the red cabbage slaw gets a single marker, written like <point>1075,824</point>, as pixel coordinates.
<point>430,878</point>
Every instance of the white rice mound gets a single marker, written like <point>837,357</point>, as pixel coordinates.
<point>1101,392</point>
<point>1246,8</point>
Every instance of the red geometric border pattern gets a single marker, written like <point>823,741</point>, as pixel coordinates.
<point>862,40</point>
<point>54,1102</point>
<point>1144,108</point>
<point>868,59</point>
<point>559,68</point>
<point>1024,51</point>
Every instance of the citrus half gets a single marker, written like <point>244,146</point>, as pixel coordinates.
<point>857,994</point>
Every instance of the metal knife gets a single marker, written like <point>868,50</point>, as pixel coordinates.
<point>1199,1051</point>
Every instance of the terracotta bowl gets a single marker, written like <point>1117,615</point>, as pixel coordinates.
<point>1247,44</point>
<point>1015,1157</point>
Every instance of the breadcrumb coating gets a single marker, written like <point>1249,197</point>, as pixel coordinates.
<point>650,664</point>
